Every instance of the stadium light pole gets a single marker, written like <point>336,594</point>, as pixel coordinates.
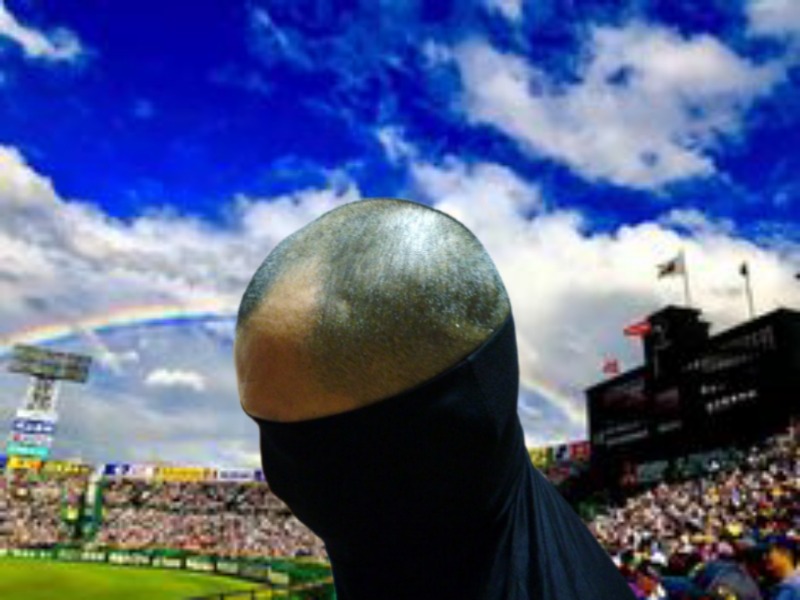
<point>33,428</point>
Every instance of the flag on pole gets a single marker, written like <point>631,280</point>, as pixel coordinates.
<point>744,271</point>
<point>638,329</point>
<point>611,366</point>
<point>676,266</point>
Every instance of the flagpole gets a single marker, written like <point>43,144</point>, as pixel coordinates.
<point>686,292</point>
<point>749,290</point>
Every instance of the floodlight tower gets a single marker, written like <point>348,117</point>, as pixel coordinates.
<point>34,427</point>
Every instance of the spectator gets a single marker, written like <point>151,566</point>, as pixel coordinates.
<point>782,564</point>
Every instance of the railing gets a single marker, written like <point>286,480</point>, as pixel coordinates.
<point>262,593</point>
<point>319,590</point>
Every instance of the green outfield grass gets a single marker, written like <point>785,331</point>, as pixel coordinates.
<point>25,579</point>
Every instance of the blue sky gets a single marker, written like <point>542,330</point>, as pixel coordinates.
<point>154,152</point>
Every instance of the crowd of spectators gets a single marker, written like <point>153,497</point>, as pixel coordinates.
<point>663,539</point>
<point>39,511</point>
<point>219,518</point>
<point>738,515</point>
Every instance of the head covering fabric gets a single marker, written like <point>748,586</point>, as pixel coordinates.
<point>431,493</point>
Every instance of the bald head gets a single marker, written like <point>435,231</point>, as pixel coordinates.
<point>368,300</point>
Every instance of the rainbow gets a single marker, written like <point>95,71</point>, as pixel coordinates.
<point>121,318</point>
<point>551,393</point>
<point>176,314</point>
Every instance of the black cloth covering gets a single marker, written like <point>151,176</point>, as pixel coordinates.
<point>431,494</point>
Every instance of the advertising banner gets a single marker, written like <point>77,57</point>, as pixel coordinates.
<point>18,449</point>
<point>183,473</point>
<point>141,471</point>
<point>276,573</point>
<point>31,439</point>
<point>580,451</point>
<point>562,453</point>
<point>116,469</point>
<point>538,457</point>
<point>33,426</point>
<point>66,467</point>
<point>236,475</point>
<point>37,415</point>
<point>21,462</point>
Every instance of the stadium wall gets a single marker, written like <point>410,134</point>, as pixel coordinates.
<point>277,573</point>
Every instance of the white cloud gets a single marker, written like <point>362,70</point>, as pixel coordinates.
<point>572,294</point>
<point>66,252</point>
<point>774,17</point>
<point>63,261</point>
<point>494,191</point>
<point>395,146</point>
<point>275,44</point>
<point>696,222</point>
<point>57,45</point>
<point>176,378</point>
<point>648,107</point>
<point>20,184</point>
<point>510,9</point>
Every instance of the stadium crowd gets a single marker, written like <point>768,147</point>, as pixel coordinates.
<point>675,530</point>
<point>662,539</point>
<point>39,511</point>
<point>219,518</point>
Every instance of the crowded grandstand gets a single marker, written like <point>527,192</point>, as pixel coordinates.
<point>665,538</point>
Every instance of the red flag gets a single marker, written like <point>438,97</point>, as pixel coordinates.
<point>580,451</point>
<point>611,366</point>
<point>638,329</point>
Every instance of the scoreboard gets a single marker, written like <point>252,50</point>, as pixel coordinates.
<point>618,410</point>
<point>34,425</point>
<point>49,364</point>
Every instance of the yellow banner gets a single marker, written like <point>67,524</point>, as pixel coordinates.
<point>183,473</point>
<point>21,462</point>
<point>63,466</point>
<point>539,456</point>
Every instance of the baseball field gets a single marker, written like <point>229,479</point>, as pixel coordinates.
<point>41,580</point>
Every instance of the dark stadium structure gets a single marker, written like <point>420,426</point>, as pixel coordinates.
<point>694,394</point>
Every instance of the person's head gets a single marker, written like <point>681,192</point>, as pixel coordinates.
<point>781,558</point>
<point>647,577</point>
<point>366,301</point>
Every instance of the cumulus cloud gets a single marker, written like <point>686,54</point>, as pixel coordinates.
<point>510,9</point>
<point>176,378</point>
<point>572,292</point>
<point>57,45</point>
<point>59,253</point>
<point>779,18</point>
<point>62,261</point>
<point>20,185</point>
<point>648,108</point>
<point>492,190</point>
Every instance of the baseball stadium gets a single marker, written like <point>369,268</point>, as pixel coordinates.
<point>687,516</point>
<point>352,300</point>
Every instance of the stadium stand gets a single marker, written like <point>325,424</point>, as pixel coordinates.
<point>668,540</point>
<point>669,535</point>
<point>40,510</point>
<point>220,518</point>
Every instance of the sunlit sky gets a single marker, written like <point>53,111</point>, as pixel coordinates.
<point>153,153</point>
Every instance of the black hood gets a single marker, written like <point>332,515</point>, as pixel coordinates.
<point>431,494</point>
